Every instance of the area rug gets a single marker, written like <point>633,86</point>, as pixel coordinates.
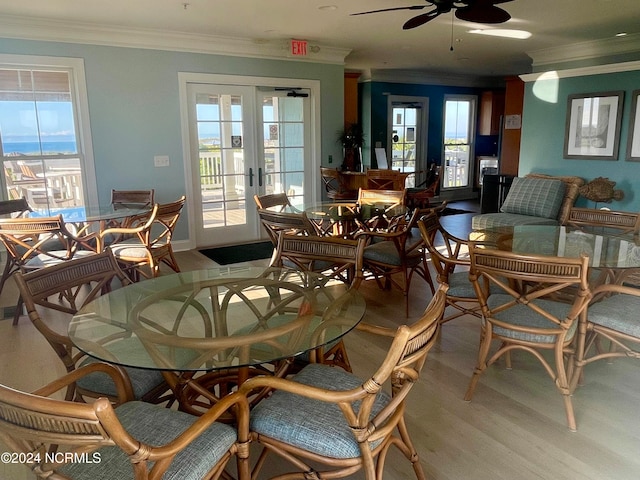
<point>239,253</point>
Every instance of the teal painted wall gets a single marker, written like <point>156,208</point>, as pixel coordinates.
<point>543,131</point>
<point>135,112</point>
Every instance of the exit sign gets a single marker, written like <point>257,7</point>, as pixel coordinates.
<point>299,48</point>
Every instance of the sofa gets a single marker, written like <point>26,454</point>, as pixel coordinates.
<point>535,199</point>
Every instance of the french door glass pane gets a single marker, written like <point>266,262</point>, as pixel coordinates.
<point>403,153</point>
<point>284,141</point>
<point>221,154</point>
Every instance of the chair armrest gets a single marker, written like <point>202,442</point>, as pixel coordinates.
<point>119,377</point>
<point>236,401</point>
<point>376,329</point>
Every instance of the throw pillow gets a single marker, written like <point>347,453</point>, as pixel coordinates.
<point>535,197</point>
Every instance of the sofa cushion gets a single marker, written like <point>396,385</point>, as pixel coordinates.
<point>493,220</point>
<point>534,197</point>
<point>572,186</point>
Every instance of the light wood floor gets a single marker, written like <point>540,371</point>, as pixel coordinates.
<point>513,429</point>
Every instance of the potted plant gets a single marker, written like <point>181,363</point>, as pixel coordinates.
<point>352,140</point>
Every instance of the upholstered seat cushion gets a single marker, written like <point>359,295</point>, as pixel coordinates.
<point>132,248</point>
<point>142,381</point>
<point>53,257</point>
<point>521,315</point>
<point>460,286</point>
<point>382,252</point>
<point>536,197</point>
<point>494,220</point>
<point>316,426</point>
<point>618,313</point>
<point>156,426</point>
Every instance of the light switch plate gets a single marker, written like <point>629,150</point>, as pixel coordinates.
<point>161,161</point>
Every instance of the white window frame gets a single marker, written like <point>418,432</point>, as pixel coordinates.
<point>80,109</point>
<point>473,99</point>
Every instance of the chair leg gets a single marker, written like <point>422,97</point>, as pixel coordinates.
<point>563,385</point>
<point>483,353</point>
<point>411,453</point>
<point>16,315</point>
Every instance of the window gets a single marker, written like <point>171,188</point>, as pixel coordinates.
<point>459,113</point>
<point>41,148</point>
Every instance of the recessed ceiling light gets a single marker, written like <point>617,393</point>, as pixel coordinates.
<point>503,32</point>
<point>328,7</point>
<point>621,34</point>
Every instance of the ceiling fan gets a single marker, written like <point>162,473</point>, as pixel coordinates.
<point>477,11</point>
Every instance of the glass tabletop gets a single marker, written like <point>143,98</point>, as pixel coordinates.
<point>606,249</point>
<point>93,213</point>
<point>216,319</point>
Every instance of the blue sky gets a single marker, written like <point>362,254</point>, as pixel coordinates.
<point>18,119</point>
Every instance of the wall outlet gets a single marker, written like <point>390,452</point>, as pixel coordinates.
<point>330,158</point>
<point>161,161</point>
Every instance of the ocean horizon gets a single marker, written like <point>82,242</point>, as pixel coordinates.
<point>33,148</point>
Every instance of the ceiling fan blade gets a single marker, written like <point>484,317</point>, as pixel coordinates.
<point>420,19</point>
<point>479,13</point>
<point>413,7</point>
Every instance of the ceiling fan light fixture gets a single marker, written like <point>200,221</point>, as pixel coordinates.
<point>502,32</point>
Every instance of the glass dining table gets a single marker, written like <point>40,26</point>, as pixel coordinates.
<point>209,330</point>
<point>607,250</point>
<point>345,219</point>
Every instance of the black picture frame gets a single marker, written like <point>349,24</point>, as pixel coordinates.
<point>592,128</point>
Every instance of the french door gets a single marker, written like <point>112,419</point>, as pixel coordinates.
<point>407,124</point>
<point>244,141</point>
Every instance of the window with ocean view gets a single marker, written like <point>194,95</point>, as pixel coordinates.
<point>42,158</point>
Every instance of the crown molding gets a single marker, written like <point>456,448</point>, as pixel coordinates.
<point>589,50</point>
<point>583,72</point>
<point>28,28</point>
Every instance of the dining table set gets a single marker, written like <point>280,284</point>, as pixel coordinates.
<point>210,330</point>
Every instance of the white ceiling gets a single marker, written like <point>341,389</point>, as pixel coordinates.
<point>375,42</point>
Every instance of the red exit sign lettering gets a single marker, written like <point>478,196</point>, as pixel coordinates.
<point>299,48</point>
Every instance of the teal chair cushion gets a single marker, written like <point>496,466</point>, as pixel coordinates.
<point>156,426</point>
<point>618,313</point>
<point>315,426</point>
<point>521,315</point>
<point>494,220</point>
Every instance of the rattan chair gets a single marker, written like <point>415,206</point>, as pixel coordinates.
<point>132,197</point>
<point>135,440</point>
<point>12,209</point>
<point>61,290</point>
<point>611,321</point>
<point>335,257</point>
<point>623,222</point>
<point>335,186</point>
<point>35,243</point>
<point>274,201</point>
<point>328,423</point>
<point>275,222</point>
<point>523,317</point>
<point>385,179</point>
<point>147,242</point>
<point>397,253</point>
<point>450,258</point>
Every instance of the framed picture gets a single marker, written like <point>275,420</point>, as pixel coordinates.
<point>592,128</point>
<point>633,137</point>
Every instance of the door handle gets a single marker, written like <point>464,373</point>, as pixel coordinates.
<point>251,177</point>
<point>260,176</point>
